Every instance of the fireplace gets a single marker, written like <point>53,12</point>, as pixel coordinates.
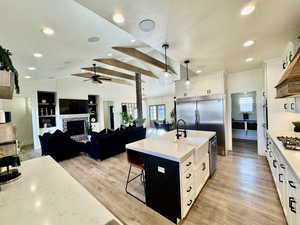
<point>77,127</point>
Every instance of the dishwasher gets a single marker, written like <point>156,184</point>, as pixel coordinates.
<point>213,153</point>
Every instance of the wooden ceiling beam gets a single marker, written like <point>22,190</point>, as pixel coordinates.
<point>144,57</point>
<point>126,66</point>
<point>110,72</point>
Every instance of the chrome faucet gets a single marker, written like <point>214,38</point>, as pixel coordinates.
<point>181,128</point>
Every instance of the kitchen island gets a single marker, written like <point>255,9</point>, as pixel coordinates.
<point>47,195</point>
<point>175,170</point>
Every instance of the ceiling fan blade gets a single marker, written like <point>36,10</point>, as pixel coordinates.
<point>99,81</point>
<point>104,78</point>
<point>86,80</point>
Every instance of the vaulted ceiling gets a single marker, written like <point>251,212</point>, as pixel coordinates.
<point>68,50</point>
<point>209,32</point>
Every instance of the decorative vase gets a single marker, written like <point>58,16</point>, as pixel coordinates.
<point>296,129</point>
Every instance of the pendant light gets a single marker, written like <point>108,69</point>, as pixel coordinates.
<point>166,72</point>
<point>187,82</point>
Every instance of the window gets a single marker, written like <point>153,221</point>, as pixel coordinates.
<point>157,112</point>
<point>130,108</point>
<point>246,104</point>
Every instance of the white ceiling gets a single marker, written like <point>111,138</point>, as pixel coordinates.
<point>209,32</point>
<point>68,50</point>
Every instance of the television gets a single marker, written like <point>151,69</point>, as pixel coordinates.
<point>73,106</point>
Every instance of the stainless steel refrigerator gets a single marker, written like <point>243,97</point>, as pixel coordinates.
<point>204,113</point>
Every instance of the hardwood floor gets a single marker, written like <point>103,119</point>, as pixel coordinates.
<point>240,193</point>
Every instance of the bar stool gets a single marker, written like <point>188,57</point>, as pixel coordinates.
<point>135,160</point>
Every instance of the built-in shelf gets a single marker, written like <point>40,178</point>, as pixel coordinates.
<point>93,107</point>
<point>47,116</point>
<point>46,109</point>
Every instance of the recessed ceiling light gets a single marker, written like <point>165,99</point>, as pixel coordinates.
<point>31,68</point>
<point>147,25</point>
<point>93,39</point>
<point>199,71</point>
<point>37,55</point>
<point>248,43</point>
<point>249,59</point>
<point>132,40</point>
<point>48,31</point>
<point>27,77</point>
<point>248,9</point>
<point>118,18</point>
<point>109,54</point>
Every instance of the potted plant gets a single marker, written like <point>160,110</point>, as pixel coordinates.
<point>127,119</point>
<point>297,126</point>
<point>8,75</point>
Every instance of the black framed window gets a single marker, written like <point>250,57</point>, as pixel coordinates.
<point>157,112</point>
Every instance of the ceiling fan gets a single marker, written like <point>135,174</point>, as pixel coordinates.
<point>94,77</point>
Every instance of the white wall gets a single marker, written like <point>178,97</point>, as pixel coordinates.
<point>75,88</point>
<point>167,100</point>
<point>21,114</point>
<point>246,81</point>
<point>279,120</point>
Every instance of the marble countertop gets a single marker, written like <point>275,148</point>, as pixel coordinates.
<point>169,147</point>
<point>292,157</point>
<point>47,195</point>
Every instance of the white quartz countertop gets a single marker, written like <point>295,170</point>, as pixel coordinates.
<point>169,147</point>
<point>47,195</point>
<point>292,157</point>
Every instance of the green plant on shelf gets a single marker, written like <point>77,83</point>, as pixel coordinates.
<point>7,65</point>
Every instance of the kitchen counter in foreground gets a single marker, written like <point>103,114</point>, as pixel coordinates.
<point>47,195</point>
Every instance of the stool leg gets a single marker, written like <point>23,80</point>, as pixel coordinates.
<point>127,182</point>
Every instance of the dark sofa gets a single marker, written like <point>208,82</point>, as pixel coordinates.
<point>108,143</point>
<point>60,146</point>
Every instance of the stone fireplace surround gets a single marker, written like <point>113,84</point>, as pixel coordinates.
<point>76,117</point>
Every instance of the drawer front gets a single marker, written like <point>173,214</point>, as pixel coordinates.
<point>187,178</point>
<point>187,205</point>
<point>187,164</point>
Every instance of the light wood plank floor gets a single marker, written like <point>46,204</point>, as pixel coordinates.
<point>241,192</point>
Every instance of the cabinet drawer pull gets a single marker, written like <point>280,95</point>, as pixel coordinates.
<point>285,106</point>
<point>282,166</point>
<point>270,154</point>
<point>189,203</point>
<point>203,166</point>
<point>291,202</point>
<point>279,176</point>
<point>188,176</point>
<point>190,188</point>
<point>274,162</point>
<point>189,163</point>
<point>292,184</point>
<point>293,106</point>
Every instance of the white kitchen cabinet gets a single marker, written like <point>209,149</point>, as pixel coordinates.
<point>292,199</point>
<point>201,85</point>
<point>286,183</point>
<point>290,105</point>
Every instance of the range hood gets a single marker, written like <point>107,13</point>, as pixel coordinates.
<point>289,84</point>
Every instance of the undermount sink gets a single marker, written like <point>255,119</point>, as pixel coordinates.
<point>191,140</point>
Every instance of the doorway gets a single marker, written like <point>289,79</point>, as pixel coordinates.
<point>244,122</point>
<point>20,109</point>
<point>108,107</point>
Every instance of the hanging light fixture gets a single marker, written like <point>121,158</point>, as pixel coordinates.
<point>187,82</point>
<point>166,72</point>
